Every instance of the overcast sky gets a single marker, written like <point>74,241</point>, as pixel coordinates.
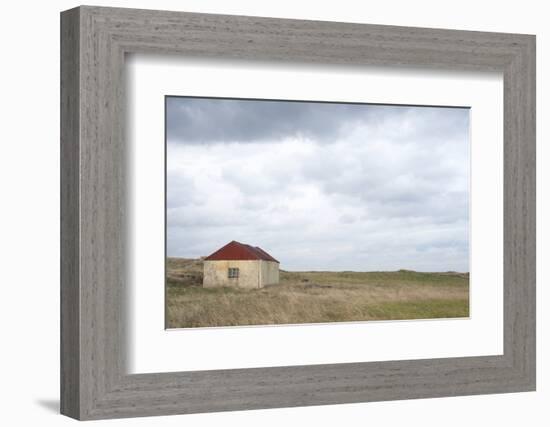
<point>320,186</point>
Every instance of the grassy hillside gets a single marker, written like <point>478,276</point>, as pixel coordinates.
<point>313,297</point>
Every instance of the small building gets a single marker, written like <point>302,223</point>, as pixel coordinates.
<point>240,265</point>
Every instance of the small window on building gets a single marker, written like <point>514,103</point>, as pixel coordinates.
<point>233,273</point>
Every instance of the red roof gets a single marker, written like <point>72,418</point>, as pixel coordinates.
<point>240,251</point>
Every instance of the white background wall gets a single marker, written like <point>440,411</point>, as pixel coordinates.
<point>29,212</point>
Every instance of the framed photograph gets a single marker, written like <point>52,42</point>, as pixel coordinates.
<point>296,177</point>
<point>261,213</point>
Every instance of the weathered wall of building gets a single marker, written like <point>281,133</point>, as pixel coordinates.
<point>269,273</point>
<point>252,274</point>
<point>215,274</point>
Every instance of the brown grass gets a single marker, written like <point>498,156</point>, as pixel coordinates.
<point>314,297</point>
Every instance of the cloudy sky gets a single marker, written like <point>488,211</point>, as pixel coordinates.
<point>320,186</point>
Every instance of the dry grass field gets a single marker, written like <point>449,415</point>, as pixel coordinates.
<point>313,297</point>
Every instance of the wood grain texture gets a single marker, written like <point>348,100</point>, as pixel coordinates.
<point>70,220</point>
<point>94,272</point>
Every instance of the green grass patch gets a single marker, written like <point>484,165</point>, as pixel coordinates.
<point>420,309</point>
<point>314,297</point>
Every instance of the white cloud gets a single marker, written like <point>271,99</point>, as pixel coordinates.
<point>384,194</point>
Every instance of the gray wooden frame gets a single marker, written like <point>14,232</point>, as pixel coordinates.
<point>94,382</point>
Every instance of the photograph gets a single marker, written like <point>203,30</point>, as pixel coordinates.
<point>297,212</point>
